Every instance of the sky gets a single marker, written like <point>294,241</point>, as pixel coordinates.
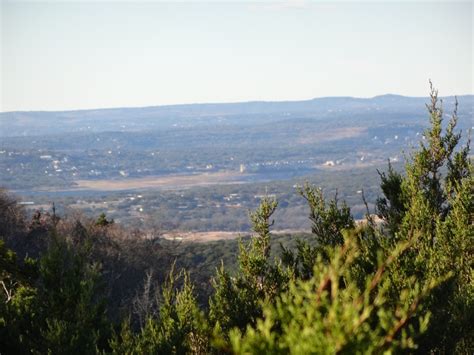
<point>62,55</point>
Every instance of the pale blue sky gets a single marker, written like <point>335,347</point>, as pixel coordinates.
<point>64,55</point>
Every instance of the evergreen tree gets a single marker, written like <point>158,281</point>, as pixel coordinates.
<point>179,328</point>
<point>237,300</point>
<point>431,208</point>
<point>328,221</point>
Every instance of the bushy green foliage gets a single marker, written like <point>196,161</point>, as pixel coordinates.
<point>237,300</point>
<point>55,305</point>
<point>16,302</point>
<point>180,327</point>
<point>102,221</point>
<point>432,207</point>
<point>70,300</point>
<point>328,222</point>
<point>391,207</point>
<point>329,314</point>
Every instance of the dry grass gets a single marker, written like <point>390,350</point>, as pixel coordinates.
<point>211,236</point>
<point>309,137</point>
<point>164,182</point>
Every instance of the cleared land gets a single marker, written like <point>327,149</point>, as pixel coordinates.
<point>331,134</point>
<point>211,236</point>
<point>164,182</point>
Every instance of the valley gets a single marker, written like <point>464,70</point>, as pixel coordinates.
<point>200,168</point>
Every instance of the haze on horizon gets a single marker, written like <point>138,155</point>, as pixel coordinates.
<point>63,55</point>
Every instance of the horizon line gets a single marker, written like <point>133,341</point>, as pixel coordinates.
<point>231,102</point>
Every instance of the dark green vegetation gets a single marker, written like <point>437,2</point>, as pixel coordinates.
<point>403,285</point>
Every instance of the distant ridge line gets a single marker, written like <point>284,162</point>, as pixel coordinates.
<point>236,103</point>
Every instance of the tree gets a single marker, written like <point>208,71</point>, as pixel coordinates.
<point>102,221</point>
<point>329,314</point>
<point>328,221</point>
<point>70,300</point>
<point>431,207</point>
<point>237,300</point>
<point>55,305</point>
<point>179,328</point>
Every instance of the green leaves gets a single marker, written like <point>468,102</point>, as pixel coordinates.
<point>329,314</point>
<point>328,219</point>
<point>180,327</point>
<point>238,300</point>
<point>431,207</point>
<point>58,307</point>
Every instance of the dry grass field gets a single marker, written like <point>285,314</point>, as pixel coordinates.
<point>163,182</point>
<point>211,236</point>
<point>331,134</point>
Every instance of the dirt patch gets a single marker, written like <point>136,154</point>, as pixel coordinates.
<point>309,137</point>
<point>212,236</point>
<point>164,182</point>
<point>203,237</point>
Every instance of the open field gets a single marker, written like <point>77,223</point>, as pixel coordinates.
<point>331,134</point>
<point>211,236</point>
<point>164,182</point>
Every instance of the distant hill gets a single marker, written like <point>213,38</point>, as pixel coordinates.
<point>201,166</point>
<point>268,140</point>
<point>33,123</point>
